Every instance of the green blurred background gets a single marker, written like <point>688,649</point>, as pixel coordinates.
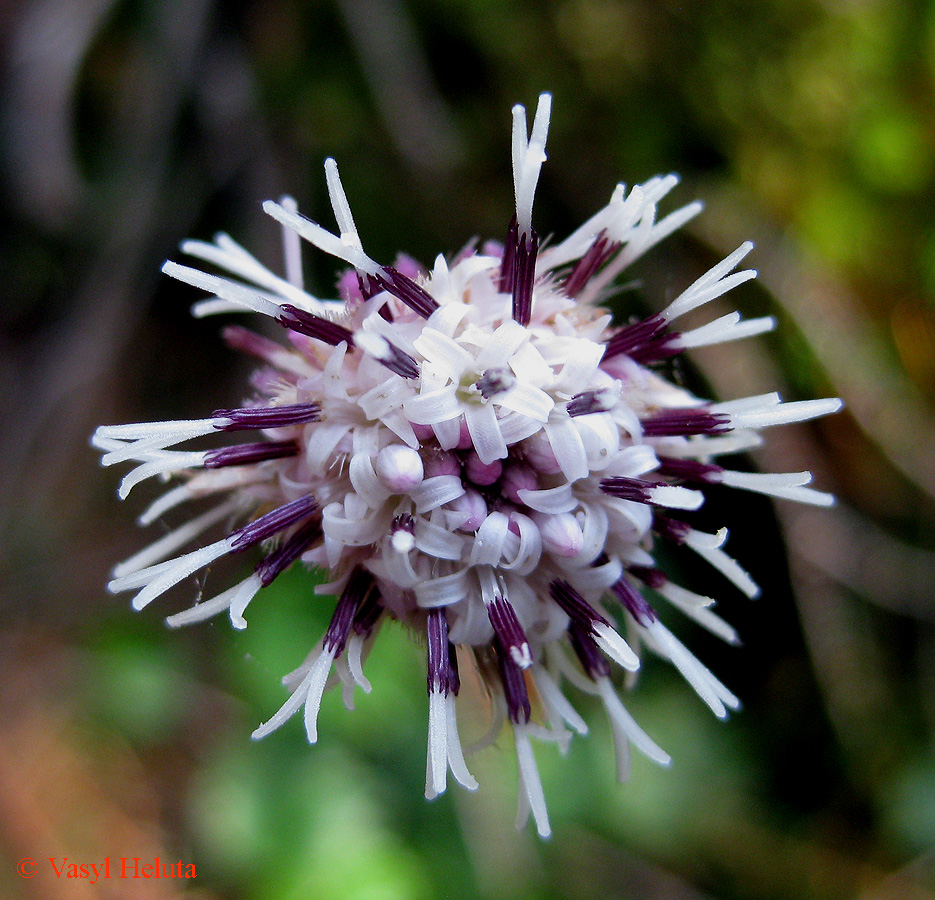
<point>128,125</point>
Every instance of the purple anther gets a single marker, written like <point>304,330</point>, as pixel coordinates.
<point>635,335</point>
<point>388,354</point>
<point>689,469</point>
<point>368,613</point>
<point>481,473</point>
<point>588,402</point>
<point>509,632</point>
<point>574,605</point>
<point>441,678</point>
<point>267,416</point>
<point>664,346</point>
<point>524,275</point>
<point>654,578</point>
<point>246,341</point>
<point>634,489</point>
<point>585,269</point>
<point>272,523</point>
<point>279,560</point>
<point>369,285</point>
<point>317,327</point>
<point>634,602</point>
<point>356,589</point>
<point>507,260</point>
<point>246,454</point>
<point>587,651</point>
<point>684,422</point>
<point>495,381</point>
<point>405,523</point>
<point>518,478</point>
<point>514,686</point>
<point>674,530</point>
<point>417,298</point>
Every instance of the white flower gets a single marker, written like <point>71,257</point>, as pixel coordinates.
<point>473,451</point>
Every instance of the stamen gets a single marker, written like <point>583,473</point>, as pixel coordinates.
<point>588,402</point>
<point>255,417</point>
<point>509,632</point>
<point>514,686</point>
<point>356,589</point>
<point>634,602</point>
<point>272,523</point>
<point>592,660</point>
<point>417,298</point>
<point>631,337</point>
<point>280,560</point>
<point>495,381</point>
<point>384,352</point>
<point>524,275</point>
<point>246,454</point>
<point>689,469</point>
<point>684,422</point>
<point>442,676</point>
<point>508,260</point>
<point>597,254</point>
<point>317,327</point>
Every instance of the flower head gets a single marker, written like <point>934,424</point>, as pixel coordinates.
<point>474,451</point>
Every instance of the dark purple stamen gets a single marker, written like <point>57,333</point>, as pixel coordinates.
<point>588,402</point>
<point>403,522</point>
<point>654,578</point>
<point>634,602</point>
<point>673,530</point>
<point>495,381</point>
<point>683,422</point>
<point>272,523</point>
<point>524,274</point>
<point>267,416</point>
<point>630,337</point>
<point>575,606</point>
<point>417,298</point>
<point>400,362</point>
<point>514,686</point>
<point>507,261</point>
<point>442,676</point>
<point>509,632</point>
<point>356,589</point>
<point>369,611</point>
<point>688,469</point>
<point>586,268</point>
<point>245,454</point>
<point>587,651</point>
<point>664,346</point>
<point>280,560</point>
<point>317,327</point>
<point>634,489</point>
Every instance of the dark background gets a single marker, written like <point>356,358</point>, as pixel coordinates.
<point>808,126</point>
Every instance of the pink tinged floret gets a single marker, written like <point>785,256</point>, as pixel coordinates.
<point>482,473</point>
<point>399,467</point>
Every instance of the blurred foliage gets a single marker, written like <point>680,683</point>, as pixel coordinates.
<point>128,125</point>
